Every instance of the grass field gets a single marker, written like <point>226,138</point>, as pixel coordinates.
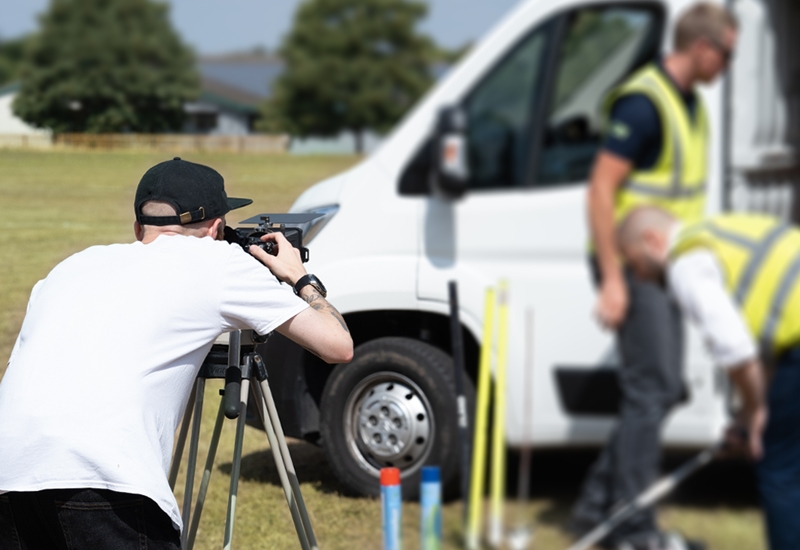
<point>54,204</point>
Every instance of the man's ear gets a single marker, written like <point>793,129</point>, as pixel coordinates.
<point>217,229</point>
<point>650,240</point>
<point>657,241</point>
<point>138,230</point>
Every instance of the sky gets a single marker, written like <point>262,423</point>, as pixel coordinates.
<point>224,26</point>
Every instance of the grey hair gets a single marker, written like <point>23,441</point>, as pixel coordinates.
<point>632,228</point>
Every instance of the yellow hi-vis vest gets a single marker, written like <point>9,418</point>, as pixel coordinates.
<point>760,257</point>
<point>677,181</point>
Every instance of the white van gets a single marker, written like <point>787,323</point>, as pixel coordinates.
<point>393,234</point>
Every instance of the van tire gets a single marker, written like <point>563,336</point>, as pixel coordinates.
<point>414,383</point>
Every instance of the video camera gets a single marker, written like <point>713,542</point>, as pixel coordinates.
<point>271,223</point>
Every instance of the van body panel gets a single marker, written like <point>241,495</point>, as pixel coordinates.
<point>324,193</point>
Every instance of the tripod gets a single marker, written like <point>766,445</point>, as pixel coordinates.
<point>239,371</point>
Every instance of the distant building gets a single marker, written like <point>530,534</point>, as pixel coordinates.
<point>11,123</point>
<point>233,89</point>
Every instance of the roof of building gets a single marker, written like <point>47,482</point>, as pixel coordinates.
<point>252,73</point>
<point>224,95</point>
<point>9,88</point>
<point>239,81</point>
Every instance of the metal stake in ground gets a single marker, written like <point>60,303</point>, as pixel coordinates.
<point>520,537</point>
<point>650,496</point>
<point>457,341</point>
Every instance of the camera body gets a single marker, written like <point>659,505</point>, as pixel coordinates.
<point>271,223</point>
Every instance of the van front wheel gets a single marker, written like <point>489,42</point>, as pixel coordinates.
<point>394,405</point>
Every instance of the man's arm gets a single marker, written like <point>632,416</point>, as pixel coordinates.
<point>633,139</point>
<point>609,172</point>
<point>749,381</point>
<point>696,282</point>
<point>320,329</point>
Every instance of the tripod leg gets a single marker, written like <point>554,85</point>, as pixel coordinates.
<point>237,464</point>
<point>288,489</point>
<point>201,494</point>
<point>266,397</point>
<point>176,457</point>
<point>193,444</point>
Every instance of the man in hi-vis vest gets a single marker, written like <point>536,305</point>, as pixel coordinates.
<point>654,154</point>
<point>737,276</point>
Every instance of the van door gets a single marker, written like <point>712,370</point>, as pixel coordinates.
<point>533,128</point>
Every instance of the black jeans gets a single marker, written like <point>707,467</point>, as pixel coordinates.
<point>651,343</point>
<point>83,519</point>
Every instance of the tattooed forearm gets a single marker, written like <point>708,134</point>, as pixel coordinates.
<point>315,300</point>
<point>318,303</point>
<point>338,317</point>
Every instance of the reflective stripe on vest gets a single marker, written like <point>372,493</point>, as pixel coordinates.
<point>779,303</point>
<point>677,182</point>
<point>761,239</point>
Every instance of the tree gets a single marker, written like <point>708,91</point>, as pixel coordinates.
<point>350,65</point>
<point>106,66</point>
<point>11,54</point>
<point>449,56</point>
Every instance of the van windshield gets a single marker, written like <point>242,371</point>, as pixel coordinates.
<point>600,48</point>
<point>559,74</point>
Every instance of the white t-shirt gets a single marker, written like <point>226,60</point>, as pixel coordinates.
<point>107,355</point>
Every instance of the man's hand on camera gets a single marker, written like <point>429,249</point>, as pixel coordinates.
<point>286,265</point>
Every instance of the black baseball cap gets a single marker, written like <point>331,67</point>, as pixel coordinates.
<point>197,192</point>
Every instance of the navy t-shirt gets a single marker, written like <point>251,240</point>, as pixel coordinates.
<point>635,132</point>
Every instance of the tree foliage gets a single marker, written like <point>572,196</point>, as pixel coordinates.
<point>106,66</point>
<point>350,65</point>
<point>11,54</point>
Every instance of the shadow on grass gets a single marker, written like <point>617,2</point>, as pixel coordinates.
<point>557,476</point>
<point>309,463</point>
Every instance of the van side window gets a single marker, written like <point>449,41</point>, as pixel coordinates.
<point>600,46</point>
<point>499,113</point>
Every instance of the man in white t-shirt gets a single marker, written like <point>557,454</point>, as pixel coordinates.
<point>110,347</point>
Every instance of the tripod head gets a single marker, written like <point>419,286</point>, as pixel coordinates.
<point>237,363</point>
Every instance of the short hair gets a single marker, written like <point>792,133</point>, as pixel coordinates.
<point>703,20</point>
<point>631,229</point>
<point>158,209</point>
<point>161,208</point>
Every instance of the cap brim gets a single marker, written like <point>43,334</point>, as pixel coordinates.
<point>234,203</point>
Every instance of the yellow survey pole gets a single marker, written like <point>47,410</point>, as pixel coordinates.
<point>499,424</point>
<point>475,508</point>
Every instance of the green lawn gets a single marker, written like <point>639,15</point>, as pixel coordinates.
<point>54,204</point>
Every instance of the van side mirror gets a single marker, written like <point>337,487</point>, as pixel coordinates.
<point>450,166</point>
